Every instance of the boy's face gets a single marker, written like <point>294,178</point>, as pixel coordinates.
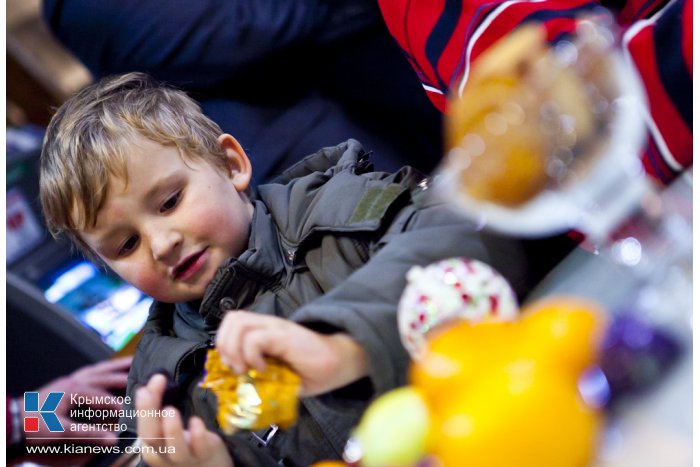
<point>174,223</point>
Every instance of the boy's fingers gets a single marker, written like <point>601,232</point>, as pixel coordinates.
<point>254,346</point>
<point>201,441</point>
<point>157,385</point>
<point>228,341</point>
<point>271,341</point>
<point>148,398</point>
<point>242,327</point>
<point>173,431</point>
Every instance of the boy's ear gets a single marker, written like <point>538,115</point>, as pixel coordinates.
<point>239,164</point>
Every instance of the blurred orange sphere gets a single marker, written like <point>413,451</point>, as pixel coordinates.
<point>506,393</point>
<point>457,353</point>
<point>518,416</point>
<point>564,331</point>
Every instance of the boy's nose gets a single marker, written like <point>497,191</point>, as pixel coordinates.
<point>164,246</point>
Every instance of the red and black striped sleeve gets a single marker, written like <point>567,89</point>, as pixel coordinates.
<point>441,38</point>
<point>661,49</point>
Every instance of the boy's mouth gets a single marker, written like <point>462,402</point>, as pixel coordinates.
<point>190,265</point>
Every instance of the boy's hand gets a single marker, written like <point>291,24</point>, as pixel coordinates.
<point>323,361</point>
<point>164,440</point>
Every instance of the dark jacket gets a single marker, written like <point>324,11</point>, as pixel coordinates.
<point>329,247</point>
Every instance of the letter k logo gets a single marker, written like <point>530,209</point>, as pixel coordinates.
<point>47,411</point>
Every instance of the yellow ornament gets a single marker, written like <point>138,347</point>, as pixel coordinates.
<point>253,400</point>
<point>506,393</point>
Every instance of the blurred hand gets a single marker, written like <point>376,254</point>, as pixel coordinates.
<point>164,440</point>
<point>89,381</point>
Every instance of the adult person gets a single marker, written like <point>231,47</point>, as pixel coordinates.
<point>285,77</point>
<point>442,39</point>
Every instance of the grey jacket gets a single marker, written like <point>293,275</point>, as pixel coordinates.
<point>330,244</point>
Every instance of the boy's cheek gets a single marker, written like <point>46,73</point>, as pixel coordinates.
<point>145,280</point>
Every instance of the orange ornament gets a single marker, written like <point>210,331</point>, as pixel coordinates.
<point>457,356</point>
<point>506,393</point>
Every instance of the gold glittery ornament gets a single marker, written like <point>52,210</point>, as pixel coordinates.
<point>253,400</point>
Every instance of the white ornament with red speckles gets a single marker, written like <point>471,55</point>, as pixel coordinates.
<point>448,289</point>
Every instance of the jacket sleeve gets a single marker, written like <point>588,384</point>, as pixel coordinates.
<point>661,50</point>
<point>443,41</point>
<point>365,304</point>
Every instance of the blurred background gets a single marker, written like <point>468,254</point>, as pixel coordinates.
<point>62,312</point>
<point>41,73</point>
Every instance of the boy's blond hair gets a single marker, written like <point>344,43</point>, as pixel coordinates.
<point>89,136</point>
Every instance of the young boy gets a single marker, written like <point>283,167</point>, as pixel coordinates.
<point>144,183</point>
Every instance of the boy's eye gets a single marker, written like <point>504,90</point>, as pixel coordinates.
<point>128,245</point>
<point>171,202</point>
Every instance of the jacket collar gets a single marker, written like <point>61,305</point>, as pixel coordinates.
<point>240,280</point>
